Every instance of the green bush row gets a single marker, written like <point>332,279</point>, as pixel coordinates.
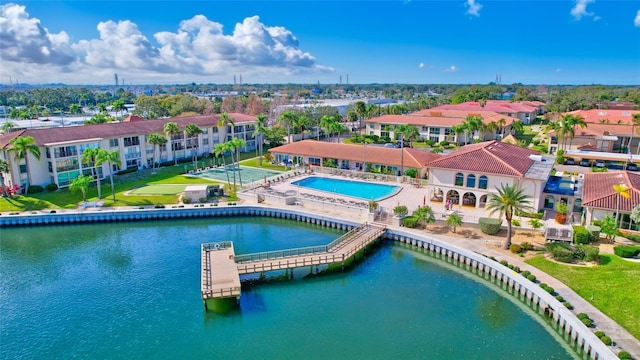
<point>34,189</point>
<point>490,226</point>
<point>627,251</point>
<point>410,221</point>
<point>566,253</point>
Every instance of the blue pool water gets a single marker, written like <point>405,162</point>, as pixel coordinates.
<point>357,189</point>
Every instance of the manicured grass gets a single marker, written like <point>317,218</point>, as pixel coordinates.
<point>158,189</point>
<point>614,286</point>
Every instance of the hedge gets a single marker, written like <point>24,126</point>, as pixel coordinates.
<point>34,189</point>
<point>52,187</point>
<point>624,355</point>
<point>580,235</point>
<point>410,221</point>
<point>490,226</point>
<point>626,251</point>
<point>127,170</point>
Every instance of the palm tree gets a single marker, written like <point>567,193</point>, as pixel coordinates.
<point>573,121</point>
<point>192,131</point>
<point>492,126</point>
<point>22,146</point>
<point>424,215</point>
<point>226,120</point>
<point>156,140</point>
<point>501,123</point>
<point>171,129</point>
<point>408,132</point>
<point>517,126</point>
<point>507,201</point>
<point>326,122</point>
<point>7,127</point>
<point>621,190</point>
<point>89,156</point>
<point>472,124</point>
<point>287,119</point>
<point>458,129</point>
<point>454,220</point>
<point>635,122</point>
<point>220,150</point>
<point>236,144</point>
<point>4,168</point>
<point>118,106</point>
<point>81,183</point>
<point>300,123</point>
<point>261,127</point>
<point>228,146</point>
<point>109,157</point>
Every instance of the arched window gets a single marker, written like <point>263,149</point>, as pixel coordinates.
<point>459,179</point>
<point>483,182</point>
<point>471,180</point>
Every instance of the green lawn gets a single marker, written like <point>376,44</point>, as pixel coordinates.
<point>614,286</point>
<point>65,199</point>
<point>158,189</point>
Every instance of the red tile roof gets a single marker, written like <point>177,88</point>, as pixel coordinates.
<point>491,157</point>
<point>499,107</point>
<point>599,115</point>
<point>598,190</point>
<point>5,139</point>
<point>120,129</point>
<point>412,158</point>
<point>446,118</point>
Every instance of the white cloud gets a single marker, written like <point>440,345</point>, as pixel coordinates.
<point>636,21</point>
<point>473,7</point>
<point>580,9</point>
<point>199,47</point>
<point>421,65</point>
<point>451,68</point>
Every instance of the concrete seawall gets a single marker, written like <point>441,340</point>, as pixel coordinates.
<point>566,323</point>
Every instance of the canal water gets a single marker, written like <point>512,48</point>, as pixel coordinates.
<point>132,291</point>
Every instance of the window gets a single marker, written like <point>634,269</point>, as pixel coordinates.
<point>434,131</point>
<point>23,168</point>
<point>113,142</point>
<point>214,130</point>
<point>64,151</point>
<point>435,139</point>
<point>483,182</point>
<point>48,152</point>
<point>238,129</point>
<point>83,147</point>
<point>315,161</point>
<point>67,164</point>
<point>131,141</point>
<point>459,179</point>
<point>471,180</point>
<point>447,131</point>
<point>205,130</point>
<point>205,141</point>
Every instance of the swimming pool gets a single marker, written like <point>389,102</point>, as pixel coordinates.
<point>356,189</point>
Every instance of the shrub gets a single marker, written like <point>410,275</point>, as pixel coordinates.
<point>504,262</point>
<point>624,355</point>
<point>412,173</point>
<point>560,298</point>
<point>582,316</point>
<point>562,254</point>
<point>51,187</point>
<point>531,278</point>
<point>632,237</point>
<point>490,226</point>
<point>568,305</point>
<point>34,189</point>
<point>410,222</point>
<point>186,200</point>
<point>159,206</point>
<point>599,334</point>
<point>516,269</point>
<point>526,246</point>
<point>591,253</point>
<point>548,289</point>
<point>533,215</point>
<point>52,212</point>
<point>203,199</point>
<point>626,251</point>
<point>526,273</point>
<point>606,340</point>
<point>515,248</point>
<point>580,235</point>
<point>515,222</point>
<point>127,170</point>
<point>400,210</point>
<point>444,143</point>
<point>429,142</point>
<point>587,322</point>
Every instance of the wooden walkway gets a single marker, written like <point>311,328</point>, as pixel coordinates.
<point>221,268</point>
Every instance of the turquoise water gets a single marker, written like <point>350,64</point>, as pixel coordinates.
<point>131,291</point>
<point>249,174</point>
<point>357,189</point>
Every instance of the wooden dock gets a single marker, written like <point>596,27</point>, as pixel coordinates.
<point>221,268</point>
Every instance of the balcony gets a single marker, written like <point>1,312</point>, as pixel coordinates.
<point>129,156</point>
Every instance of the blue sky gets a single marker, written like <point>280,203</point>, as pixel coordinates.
<point>447,41</point>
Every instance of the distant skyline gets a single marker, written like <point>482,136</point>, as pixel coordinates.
<point>569,42</point>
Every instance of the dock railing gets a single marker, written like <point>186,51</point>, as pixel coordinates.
<point>310,250</point>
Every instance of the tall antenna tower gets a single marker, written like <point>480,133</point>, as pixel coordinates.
<point>115,76</point>
<point>240,79</point>
<point>234,80</point>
